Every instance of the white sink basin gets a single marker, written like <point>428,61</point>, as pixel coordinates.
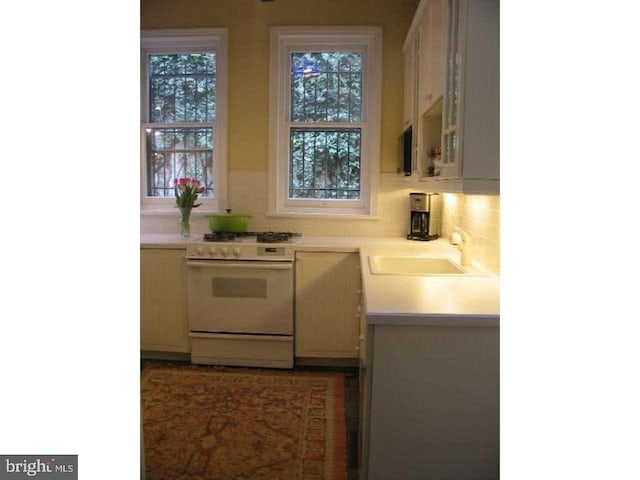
<point>424,266</point>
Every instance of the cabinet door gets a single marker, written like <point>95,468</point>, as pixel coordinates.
<point>435,392</point>
<point>424,68</point>
<point>480,94</point>
<point>410,70</point>
<point>450,165</point>
<point>328,292</point>
<point>431,56</point>
<point>163,301</point>
<point>436,50</point>
<point>471,120</point>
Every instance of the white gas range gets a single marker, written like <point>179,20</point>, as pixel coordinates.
<point>240,299</point>
<point>247,246</point>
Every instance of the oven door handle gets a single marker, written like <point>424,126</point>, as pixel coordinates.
<point>241,265</point>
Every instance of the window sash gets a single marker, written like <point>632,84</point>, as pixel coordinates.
<point>180,41</point>
<point>191,160</point>
<point>319,204</point>
<point>145,74</point>
<point>317,77</point>
<point>284,42</point>
<point>332,170</point>
<point>169,165</point>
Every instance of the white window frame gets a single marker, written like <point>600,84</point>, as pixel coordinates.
<point>284,41</point>
<point>184,41</point>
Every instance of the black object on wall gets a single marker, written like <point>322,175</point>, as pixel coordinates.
<point>407,142</point>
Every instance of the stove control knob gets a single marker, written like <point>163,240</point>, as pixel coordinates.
<point>212,251</point>
<point>236,252</point>
<point>199,251</point>
<point>225,251</point>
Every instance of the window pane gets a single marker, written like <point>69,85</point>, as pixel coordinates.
<point>324,163</point>
<point>326,87</point>
<point>182,87</point>
<point>175,153</point>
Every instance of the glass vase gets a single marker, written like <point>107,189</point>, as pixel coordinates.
<point>185,222</point>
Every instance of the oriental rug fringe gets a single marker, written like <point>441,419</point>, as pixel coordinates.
<point>218,423</point>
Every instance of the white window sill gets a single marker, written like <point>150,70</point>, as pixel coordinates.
<point>329,216</point>
<point>174,211</point>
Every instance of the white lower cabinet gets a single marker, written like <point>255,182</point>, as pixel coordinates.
<point>430,403</point>
<point>163,301</point>
<point>327,304</point>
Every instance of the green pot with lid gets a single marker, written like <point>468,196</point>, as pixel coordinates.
<point>228,222</point>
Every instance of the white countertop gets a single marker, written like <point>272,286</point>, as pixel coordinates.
<point>164,240</point>
<point>399,299</point>
<point>418,300</point>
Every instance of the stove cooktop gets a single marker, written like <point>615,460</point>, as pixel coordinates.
<point>258,237</point>
<point>255,246</point>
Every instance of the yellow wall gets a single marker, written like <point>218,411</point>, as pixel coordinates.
<point>248,22</point>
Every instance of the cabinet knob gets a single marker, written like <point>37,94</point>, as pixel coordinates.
<point>357,348</point>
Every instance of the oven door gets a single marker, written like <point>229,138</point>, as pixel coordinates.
<point>251,297</point>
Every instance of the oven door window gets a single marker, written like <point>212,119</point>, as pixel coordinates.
<point>239,287</point>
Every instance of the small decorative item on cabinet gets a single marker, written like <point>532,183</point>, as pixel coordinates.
<point>186,191</point>
<point>434,156</point>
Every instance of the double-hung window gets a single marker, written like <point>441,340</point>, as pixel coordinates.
<point>183,114</point>
<point>324,119</point>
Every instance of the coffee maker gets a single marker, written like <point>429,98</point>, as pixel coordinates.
<point>426,216</point>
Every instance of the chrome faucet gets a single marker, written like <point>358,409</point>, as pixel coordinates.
<point>462,241</point>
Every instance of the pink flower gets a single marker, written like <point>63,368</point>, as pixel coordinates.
<point>187,191</point>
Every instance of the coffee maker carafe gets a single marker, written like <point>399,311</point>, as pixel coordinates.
<point>426,216</point>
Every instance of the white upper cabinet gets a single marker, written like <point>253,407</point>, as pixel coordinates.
<point>431,55</point>
<point>457,100</point>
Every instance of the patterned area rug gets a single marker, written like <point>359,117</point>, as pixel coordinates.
<point>219,423</point>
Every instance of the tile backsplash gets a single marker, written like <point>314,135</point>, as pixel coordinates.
<point>248,194</point>
<point>478,215</point>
